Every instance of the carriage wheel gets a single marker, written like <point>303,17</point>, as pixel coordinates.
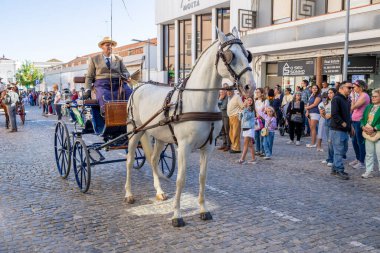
<point>81,165</point>
<point>139,158</point>
<point>167,160</point>
<point>62,149</point>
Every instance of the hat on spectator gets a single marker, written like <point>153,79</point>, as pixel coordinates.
<point>361,84</point>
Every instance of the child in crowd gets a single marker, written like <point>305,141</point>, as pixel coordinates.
<point>270,125</point>
<point>247,118</point>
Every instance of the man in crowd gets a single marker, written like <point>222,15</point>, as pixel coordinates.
<point>234,107</point>
<point>223,101</point>
<point>13,99</point>
<point>340,128</point>
<point>305,95</point>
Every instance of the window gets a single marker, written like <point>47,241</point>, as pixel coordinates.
<point>185,62</point>
<point>169,47</point>
<point>281,11</point>
<point>334,5</point>
<point>204,32</point>
<point>223,20</point>
<point>358,3</point>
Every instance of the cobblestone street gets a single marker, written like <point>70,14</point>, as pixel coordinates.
<point>288,204</point>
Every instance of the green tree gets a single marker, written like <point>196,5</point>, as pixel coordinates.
<point>28,74</point>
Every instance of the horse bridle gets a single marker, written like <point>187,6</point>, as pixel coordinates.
<point>227,56</point>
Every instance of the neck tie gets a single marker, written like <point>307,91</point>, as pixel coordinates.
<point>108,63</point>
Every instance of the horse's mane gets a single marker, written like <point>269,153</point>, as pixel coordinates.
<point>204,51</point>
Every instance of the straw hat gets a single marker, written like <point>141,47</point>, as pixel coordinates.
<point>107,40</point>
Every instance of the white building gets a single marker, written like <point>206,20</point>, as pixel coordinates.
<point>8,70</point>
<point>283,35</point>
<point>135,58</point>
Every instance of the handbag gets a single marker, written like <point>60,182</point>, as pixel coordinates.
<point>264,132</point>
<point>296,118</point>
<point>259,124</point>
<point>374,137</point>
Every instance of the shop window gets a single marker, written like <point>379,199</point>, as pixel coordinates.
<point>169,47</point>
<point>223,20</point>
<point>281,11</point>
<point>185,62</point>
<point>204,31</point>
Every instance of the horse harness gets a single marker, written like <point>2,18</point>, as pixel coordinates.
<point>179,116</point>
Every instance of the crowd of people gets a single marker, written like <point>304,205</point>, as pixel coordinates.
<point>329,115</point>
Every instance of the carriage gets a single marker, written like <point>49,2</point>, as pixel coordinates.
<point>70,148</point>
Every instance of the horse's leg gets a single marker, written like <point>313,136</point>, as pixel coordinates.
<point>132,145</point>
<point>204,158</point>
<point>183,153</point>
<point>158,146</point>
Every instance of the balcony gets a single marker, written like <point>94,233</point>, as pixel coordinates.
<point>313,32</point>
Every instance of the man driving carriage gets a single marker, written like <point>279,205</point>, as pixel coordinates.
<point>102,70</point>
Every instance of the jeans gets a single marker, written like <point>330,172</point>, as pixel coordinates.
<point>340,146</point>
<point>295,127</point>
<point>12,116</point>
<point>268,144</point>
<point>372,149</point>
<point>358,142</point>
<point>58,109</point>
<point>330,157</point>
<point>259,141</point>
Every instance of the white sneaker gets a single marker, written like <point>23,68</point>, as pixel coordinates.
<point>324,162</point>
<point>359,166</point>
<point>266,158</point>
<point>367,174</point>
<point>290,142</point>
<point>319,150</point>
<point>353,163</point>
<point>298,143</point>
<point>311,146</point>
<point>329,164</point>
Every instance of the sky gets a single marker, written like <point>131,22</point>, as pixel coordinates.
<point>39,30</point>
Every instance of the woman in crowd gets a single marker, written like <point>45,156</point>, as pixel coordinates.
<point>370,124</point>
<point>321,133</point>
<point>326,114</point>
<point>271,125</point>
<point>277,100</point>
<point>247,118</point>
<point>260,103</point>
<point>295,118</point>
<point>288,97</point>
<point>358,104</point>
<point>271,96</point>
<point>313,115</point>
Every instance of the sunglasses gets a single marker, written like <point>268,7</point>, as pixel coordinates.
<point>349,87</point>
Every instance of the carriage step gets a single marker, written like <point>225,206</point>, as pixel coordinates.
<point>95,155</point>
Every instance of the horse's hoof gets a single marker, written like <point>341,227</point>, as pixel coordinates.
<point>161,197</point>
<point>178,222</point>
<point>130,199</point>
<point>206,216</point>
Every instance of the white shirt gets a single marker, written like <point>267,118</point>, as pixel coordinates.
<point>259,104</point>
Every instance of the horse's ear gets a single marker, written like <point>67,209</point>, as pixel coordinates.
<point>235,32</point>
<point>221,36</point>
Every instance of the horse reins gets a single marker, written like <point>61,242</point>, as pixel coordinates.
<point>178,115</point>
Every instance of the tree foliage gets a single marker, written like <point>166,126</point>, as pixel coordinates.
<point>28,74</point>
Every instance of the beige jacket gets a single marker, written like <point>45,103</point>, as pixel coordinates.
<point>97,69</point>
<point>235,106</point>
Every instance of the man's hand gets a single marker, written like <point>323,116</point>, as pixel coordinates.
<point>344,124</point>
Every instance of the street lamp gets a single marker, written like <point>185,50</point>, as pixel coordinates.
<point>148,42</point>
<point>345,59</point>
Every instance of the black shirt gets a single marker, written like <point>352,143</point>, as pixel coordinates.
<point>340,112</point>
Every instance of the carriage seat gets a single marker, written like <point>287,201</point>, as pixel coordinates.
<point>91,102</point>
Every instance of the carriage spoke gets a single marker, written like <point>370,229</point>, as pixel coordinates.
<point>167,166</point>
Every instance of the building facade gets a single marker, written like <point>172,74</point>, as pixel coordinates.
<point>8,70</point>
<point>135,57</point>
<point>291,40</point>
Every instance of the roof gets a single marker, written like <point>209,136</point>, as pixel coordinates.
<point>3,58</point>
<point>54,60</point>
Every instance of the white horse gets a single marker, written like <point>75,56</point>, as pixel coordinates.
<point>207,74</point>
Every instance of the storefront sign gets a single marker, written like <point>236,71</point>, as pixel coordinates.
<point>189,4</point>
<point>361,64</point>
<point>296,68</point>
<point>332,66</point>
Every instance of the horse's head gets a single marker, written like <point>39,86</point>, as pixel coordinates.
<point>233,62</point>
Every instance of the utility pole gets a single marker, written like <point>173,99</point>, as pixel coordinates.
<point>346,42</point>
